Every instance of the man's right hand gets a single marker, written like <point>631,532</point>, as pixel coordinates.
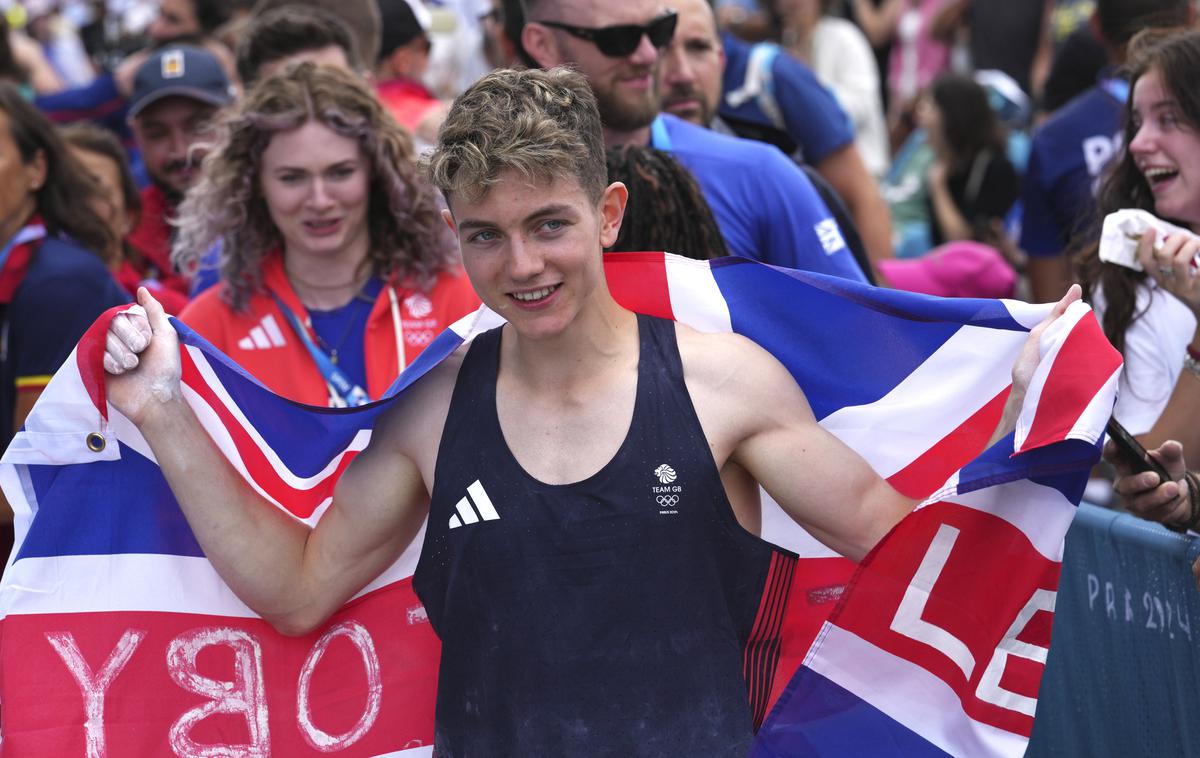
<point>141,358</point>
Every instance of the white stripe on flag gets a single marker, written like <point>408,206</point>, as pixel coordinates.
<point>695,298</point>
<point>141,582</point>
<point>360,441</point>
<point>1027,315</point>
<point>975,362</point>
<point>1052,342</point>
<point>475,323</point>
<point>937,715</point>
<point>1098,411</point>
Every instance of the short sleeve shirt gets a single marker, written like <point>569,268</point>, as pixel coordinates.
<point>765,206</point>
<point>64,291</point>
<point>814,122</point>
<point>1070,151</point>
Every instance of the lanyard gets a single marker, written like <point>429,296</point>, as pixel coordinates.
<point>660,139</point>
<point>341,387</point>
<point>28,234</point>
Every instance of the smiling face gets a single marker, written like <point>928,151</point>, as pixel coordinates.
<point>315,183</point>
<point>1166,149</point>
<point>533,251</point>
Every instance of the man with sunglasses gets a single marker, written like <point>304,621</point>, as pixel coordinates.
<point>766,207</point>
<point>704,78</point>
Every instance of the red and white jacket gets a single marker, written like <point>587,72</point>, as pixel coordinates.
<point>402,322</point>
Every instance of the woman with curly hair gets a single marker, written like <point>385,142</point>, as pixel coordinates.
<point>1151,317</point>
<point>336,267</point>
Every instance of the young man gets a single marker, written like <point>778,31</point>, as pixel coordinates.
<point>551,426</point>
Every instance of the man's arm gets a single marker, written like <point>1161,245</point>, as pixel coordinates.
<point>845,171</point>
<point>819,482</point>
<point>757,416</point>
<point>292,576</point>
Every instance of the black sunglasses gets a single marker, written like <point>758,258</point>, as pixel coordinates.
<point>621,40</point>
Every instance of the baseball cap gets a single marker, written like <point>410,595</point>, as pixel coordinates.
<point>401,23</point>
<point>956,269</point>
<point>180,71</point>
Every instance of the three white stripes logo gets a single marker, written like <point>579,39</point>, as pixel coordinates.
<point>266,334</point>
<point>483,503</point>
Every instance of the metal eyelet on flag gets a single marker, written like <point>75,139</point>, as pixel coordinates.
<point>96,442</point>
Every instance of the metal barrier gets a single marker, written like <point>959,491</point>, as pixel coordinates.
<point>1123,675</point>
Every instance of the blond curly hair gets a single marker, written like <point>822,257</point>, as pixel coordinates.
<point>408,238</point>
<point>543,124</point>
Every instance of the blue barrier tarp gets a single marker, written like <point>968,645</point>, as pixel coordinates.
<point>1123,674</point>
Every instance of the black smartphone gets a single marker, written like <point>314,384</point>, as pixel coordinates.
<point>1132,452</point>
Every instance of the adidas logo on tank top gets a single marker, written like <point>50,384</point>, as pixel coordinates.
<point>483,508</point>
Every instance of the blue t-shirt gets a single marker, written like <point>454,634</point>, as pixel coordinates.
<point>813,121</point>
<point>1070,150</point>
<point>765,206</point>
<point>64,290</point>
<point>343,329</point>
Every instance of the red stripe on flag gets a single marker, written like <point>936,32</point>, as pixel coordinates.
<point>89,358</point>
<point>301,502</point>
<point>927,473</point>
<point>1084,363</point>
<point>638,281</point>
<point>989,575</point>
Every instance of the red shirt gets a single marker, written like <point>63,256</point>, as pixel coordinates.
<point>151,241</point>
<point>407,100</point>
<point>261,340</point>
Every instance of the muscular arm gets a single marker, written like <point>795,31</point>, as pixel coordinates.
<point>756,416</point>
<point>293,576</point>
<point>845,171</point>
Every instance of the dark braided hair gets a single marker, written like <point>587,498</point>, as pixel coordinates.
<point>666,210</point>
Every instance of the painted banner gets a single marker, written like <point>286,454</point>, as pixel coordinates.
<point>118,638</point>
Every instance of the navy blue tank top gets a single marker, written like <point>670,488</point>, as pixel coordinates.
<point>608,617</point>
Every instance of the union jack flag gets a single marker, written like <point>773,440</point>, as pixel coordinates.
<point>118,637</point>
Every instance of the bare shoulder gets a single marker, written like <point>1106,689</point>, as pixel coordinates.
<point>727,361</point>
<point>737,387</point>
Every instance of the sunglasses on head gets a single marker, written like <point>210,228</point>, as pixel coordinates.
<point>621,40</point>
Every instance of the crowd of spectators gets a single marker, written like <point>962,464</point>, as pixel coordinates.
<point>256,164</point>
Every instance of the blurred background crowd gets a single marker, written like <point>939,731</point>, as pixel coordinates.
<point>256,163</point>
